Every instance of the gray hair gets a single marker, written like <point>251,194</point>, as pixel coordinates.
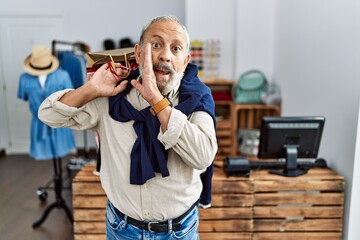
<point>165,18</point>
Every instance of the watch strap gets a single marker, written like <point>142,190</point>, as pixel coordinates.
<point>159,106</point>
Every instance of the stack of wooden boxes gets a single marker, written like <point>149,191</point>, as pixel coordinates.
<point>262,206</point>
<point>89,202</point>
<point>265,206</point>
<point>304,207</point>
<point>221,91</point>
<point>230,215</point>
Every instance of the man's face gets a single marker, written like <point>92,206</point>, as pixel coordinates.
<point>168,51</point>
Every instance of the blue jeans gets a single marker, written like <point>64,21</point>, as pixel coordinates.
<point>118,228</point>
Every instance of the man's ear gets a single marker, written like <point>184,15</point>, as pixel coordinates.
<point>137,50</point>
<point>187,60</point>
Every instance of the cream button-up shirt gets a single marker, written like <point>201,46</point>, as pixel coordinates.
<point>191,142</point>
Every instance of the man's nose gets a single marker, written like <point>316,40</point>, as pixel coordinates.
<point>165,55</point>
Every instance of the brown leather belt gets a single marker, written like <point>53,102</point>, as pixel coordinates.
<point>154,226</point>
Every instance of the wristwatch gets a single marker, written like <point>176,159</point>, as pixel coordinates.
<point>159,106</point>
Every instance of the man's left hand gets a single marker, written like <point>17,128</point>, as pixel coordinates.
<point>148,87</point>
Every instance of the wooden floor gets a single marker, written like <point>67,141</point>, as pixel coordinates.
<point>20,206</point>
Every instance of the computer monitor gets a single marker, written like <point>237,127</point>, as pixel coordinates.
<point>290,138</point>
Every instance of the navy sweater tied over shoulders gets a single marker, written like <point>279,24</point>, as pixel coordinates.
<point>194,95</point>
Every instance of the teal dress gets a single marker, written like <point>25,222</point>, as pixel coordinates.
<point>46,142</point>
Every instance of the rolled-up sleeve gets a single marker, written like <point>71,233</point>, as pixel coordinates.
<point>193,138</point>
<point>56,114</point>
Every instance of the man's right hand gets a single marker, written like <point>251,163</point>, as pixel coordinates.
<point>103,83</point>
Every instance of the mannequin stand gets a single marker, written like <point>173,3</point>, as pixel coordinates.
<point>59,202</point>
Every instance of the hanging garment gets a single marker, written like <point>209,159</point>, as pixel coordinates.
<point>46,143</point>
<point>75,65</point>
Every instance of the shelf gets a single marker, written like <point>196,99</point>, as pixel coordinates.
<point>223,102</point>
<point>234,116</point>
<point>248,116</point>
<point>217,82</point>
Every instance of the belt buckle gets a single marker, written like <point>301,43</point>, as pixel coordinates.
<point>149,226</point>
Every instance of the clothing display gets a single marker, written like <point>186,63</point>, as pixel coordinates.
<point>46,142</point>
<point>75,65</point>
<point>71,56</point>
<point>40,61</point>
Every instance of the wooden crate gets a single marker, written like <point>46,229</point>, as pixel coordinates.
<point>223,113</point>
<point>248,116</point>
<point>262,206</point>
<point>232,201</point>
<point>304,207</point>
<point>89,202</point>
<point>223,136</point>
<point>230,215</point>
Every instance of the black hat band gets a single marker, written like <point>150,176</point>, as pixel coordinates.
<point>41,68</point>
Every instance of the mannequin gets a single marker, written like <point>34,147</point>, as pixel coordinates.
<point>42,77</point>
<point>42,80</point>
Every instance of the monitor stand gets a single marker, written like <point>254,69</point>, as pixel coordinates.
<point>290,168</point>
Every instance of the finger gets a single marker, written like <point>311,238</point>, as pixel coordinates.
<point>119,65</point>
<point>121,87</point>
<point>89,76</point>
<point>147,60</point>
<point>120,71</point>
<point>104,66</point>
<point>136,84</point>
<point>117,78</point>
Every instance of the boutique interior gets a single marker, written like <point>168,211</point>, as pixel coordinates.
<point>305,55</point>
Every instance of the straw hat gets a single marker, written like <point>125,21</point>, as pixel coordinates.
<point>40,61</point>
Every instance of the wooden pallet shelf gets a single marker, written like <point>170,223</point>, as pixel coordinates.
<point>262,206</point>
<point>233,117</point>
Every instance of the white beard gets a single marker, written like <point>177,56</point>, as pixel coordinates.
<point>171,84</point>
<point>174,81</point>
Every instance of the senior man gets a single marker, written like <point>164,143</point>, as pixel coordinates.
<point>157,134</point>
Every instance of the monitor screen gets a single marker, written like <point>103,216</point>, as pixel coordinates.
<point>290,138</point>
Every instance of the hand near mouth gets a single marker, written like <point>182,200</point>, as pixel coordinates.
<point>148,86</point>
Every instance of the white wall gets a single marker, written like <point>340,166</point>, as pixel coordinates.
<point>317,59</point>
<point>3,123</point>
<point>254,37</point>
<point>216,20</point>
<point>245,29</point>
<point>354,215</point>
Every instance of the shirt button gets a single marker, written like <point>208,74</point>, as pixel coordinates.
<point>145,186</point>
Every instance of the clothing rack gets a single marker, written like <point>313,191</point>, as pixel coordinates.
<point>59,200</point>
<point>80,49</point>
<point>76,47</point>
<point>58,187</point>
<point>57,180</point>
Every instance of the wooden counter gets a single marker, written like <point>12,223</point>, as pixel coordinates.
<point>260,207</point>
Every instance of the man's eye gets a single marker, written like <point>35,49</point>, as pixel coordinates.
<point>156,45</point>
<point>177,49</point>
